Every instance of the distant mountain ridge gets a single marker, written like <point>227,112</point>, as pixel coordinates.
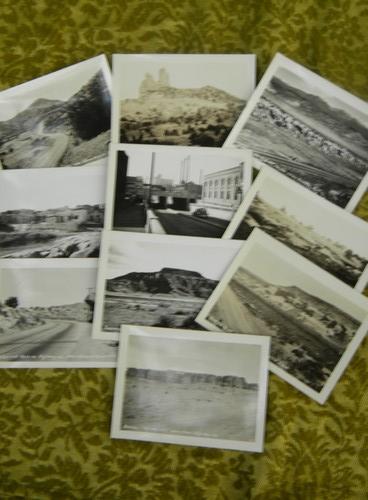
<point>312,105</point>
<point>166,281</point>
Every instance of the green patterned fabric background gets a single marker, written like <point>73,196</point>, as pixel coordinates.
<point>54,424</point>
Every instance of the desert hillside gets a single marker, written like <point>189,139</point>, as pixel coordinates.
<point>178,282</point>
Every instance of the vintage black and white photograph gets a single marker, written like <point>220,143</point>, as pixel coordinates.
<point>58,120</point>
<point>51,213</point>
<point>176,190</point>
<point>193,388</point>
<point>308,128</point>
<point>156,280</point>
<point>316,322</point>
<point>179,99</point>
<point>322,232</point>
<point>46,310</point>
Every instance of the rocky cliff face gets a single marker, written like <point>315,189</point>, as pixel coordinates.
<point>180,377</point>
<point>48,132</point>
<point>178,282</point>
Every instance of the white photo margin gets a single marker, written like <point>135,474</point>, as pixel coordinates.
<point>153,332</point>
<point>279,249</point>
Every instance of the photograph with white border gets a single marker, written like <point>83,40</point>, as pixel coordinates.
<point>46,310</point>
<point>156,280</point>
<point>308,128</point>
<point>179,99</point>
<point>360,196</point>
<point>316,322</point>
<point>187,191</point>
<point>58,120</point>
<point>51,213</point>
<point>192,388</point>
<point>324,233</point>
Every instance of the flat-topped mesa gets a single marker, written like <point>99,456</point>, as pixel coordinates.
<point>179,282</point>
<point>181,377</point>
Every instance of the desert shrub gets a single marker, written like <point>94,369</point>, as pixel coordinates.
<point>12,302</point>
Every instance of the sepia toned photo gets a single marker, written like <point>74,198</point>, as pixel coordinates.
<point>51,213</point>
<point>193,388</point>
<point>176,190</point>
<point>156,280</point>
<point>58,120</point>
<point>316,322</point>
<point>325,234</point>
<point>46,311</point>
<point>179,99</point>
<point>307,128</point>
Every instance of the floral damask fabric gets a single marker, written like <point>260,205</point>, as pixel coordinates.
<point>54,424</point>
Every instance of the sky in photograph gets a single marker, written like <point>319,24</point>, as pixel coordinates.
<point>216,358</point>
<point>290,269</point>
<point>325,91</point>
<point>46,286</point>
<point>42,189</point>
<point>326,219</point>
<point>231,74</point>
<point>61,86</point>
<point>149,253</point>
<point>168,164</point>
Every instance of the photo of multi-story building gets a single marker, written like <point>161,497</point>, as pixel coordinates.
<point>158,190</point>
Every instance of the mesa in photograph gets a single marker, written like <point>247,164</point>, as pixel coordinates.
<point>46,314</point>
<point>312,317</point>
<point>156,280</point>
<point>308,129</point>
<point>182,191</point>
<point>51,213</point>
<point>203,389</point>
<point>180,99</point>
<point>61,119</point>
<point>325,234</point>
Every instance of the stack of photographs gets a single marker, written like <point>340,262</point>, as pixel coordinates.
<point>54,137</point>
<point>275,268</point>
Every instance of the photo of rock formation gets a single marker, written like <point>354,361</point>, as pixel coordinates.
<point>157,280</point>
<point>53,132</point>
<point>310,324</point>
<point>169,297</point>
<point>187,403</point>
<point>179,385</point>
<point>164,114</point>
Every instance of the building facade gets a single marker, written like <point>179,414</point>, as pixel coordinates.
<point>223,189</point>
